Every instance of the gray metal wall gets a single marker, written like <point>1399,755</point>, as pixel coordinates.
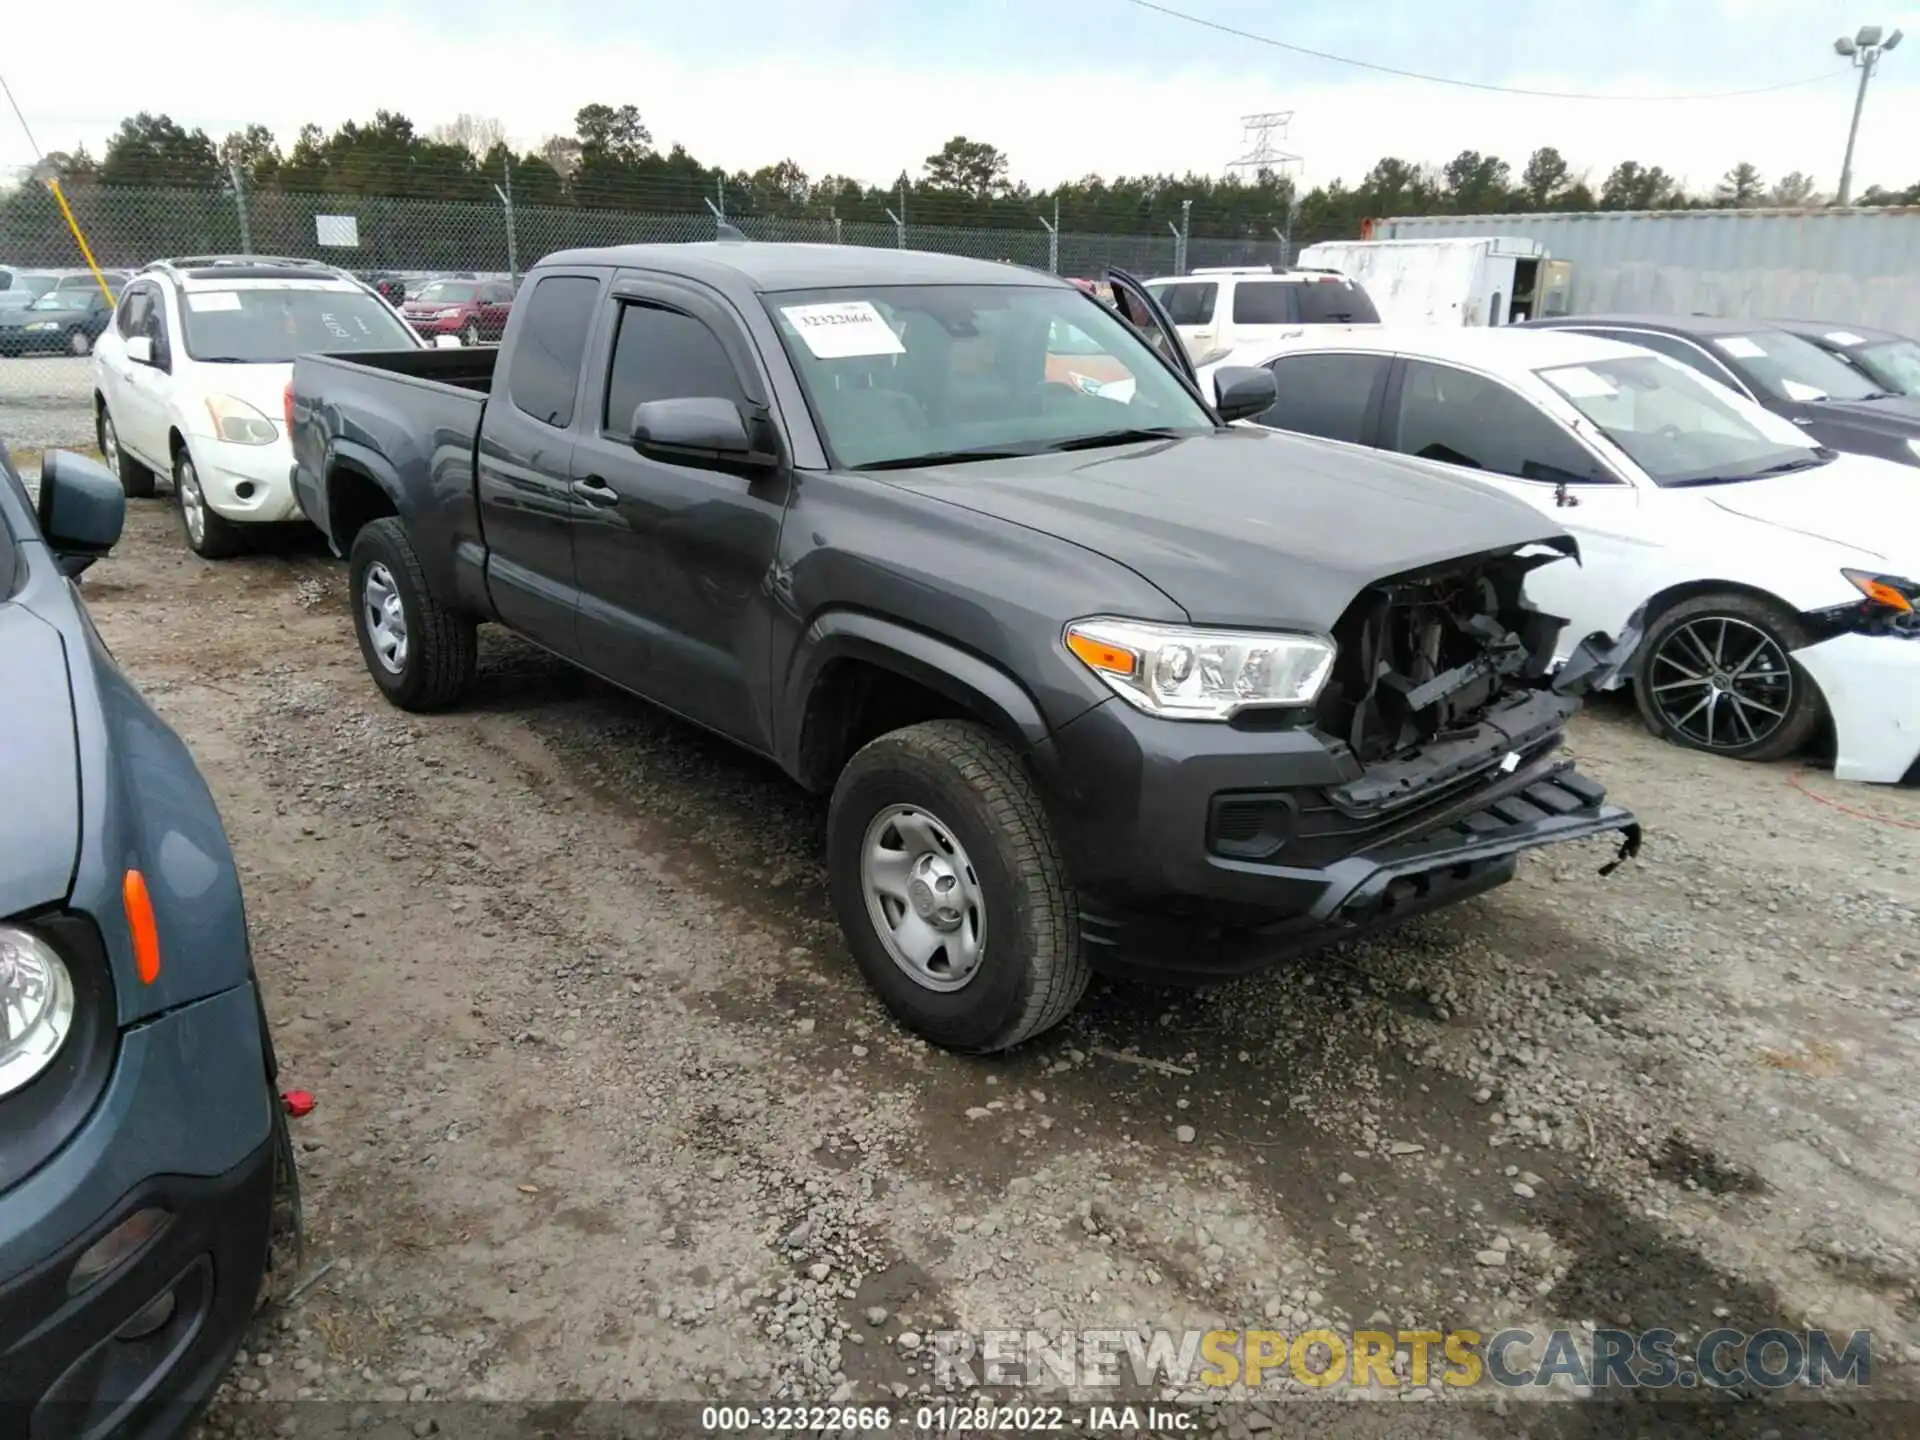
<point>1852,266</point>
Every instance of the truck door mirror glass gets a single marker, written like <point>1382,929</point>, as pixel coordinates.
<point>694,428</point>
<point>140,349</point>
<point>446,342</point>
<point>1241,391</point>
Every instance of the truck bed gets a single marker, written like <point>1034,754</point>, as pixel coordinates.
<point>462,369</point>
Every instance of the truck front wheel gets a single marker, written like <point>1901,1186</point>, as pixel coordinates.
<point>950,889</point>
<point>420,653</point>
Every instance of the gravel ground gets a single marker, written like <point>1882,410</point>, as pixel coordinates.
<point>46,400</point>
<point>604,1111</point>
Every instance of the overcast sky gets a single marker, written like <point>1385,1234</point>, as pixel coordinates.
<point>1065,87</point>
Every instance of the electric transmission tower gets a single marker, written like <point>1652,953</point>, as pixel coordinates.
<point>1259,152</point>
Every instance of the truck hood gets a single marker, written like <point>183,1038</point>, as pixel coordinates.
<point>40,779</point>
<point>1859,501</point>
<point>1246,527</point>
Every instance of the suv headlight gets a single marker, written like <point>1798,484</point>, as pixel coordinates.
<point>36,1007</point>
<point>239,422</point>
<point>1184,673</point>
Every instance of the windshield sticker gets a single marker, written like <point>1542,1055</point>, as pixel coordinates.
<point>1741,348</point>
<point>201,301</point>
<point>1796,390</point>
<point>1846,337</point>
<point>340,332</point>
<point>1580,383</point>
<point>843,330</point>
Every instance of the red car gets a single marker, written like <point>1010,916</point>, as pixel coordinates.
<point>475,310</point>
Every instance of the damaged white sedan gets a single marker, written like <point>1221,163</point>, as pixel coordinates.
<point>1779,580</point>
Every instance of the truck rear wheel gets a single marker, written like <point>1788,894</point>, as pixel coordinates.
<point>420,653</point>
<point>949,887</point>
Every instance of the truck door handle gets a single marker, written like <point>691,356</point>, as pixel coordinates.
<point>595,491</point>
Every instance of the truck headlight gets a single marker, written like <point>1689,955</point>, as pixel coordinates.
<point>1184,673</point>
<point>36,1007</point>
<point>239,422</point>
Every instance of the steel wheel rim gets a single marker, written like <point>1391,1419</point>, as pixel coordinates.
<point>473,332</point>
<point>1721,683</point>
<point>109,443</point>
<point>924,898</point>
<point>386,618</point>
<point>193,505</point>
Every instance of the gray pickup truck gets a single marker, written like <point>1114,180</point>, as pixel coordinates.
<point>1092,675</point>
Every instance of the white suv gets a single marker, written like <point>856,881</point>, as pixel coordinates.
<point>190,380</point>
<point>1217,310</point>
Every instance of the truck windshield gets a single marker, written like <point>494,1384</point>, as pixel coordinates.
<point>270,326</point>
<point>1679,428</point>
<point>904,374</point>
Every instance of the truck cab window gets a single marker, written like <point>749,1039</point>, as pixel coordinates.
<point>661,354</point>
<point>545,368</point>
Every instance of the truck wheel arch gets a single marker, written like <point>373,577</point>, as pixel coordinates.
<point>832,710</point>
<point>359,488</point>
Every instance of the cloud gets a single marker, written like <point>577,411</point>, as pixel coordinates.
<point>1059,112</point>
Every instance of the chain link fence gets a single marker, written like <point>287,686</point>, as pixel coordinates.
<point>45,376</point>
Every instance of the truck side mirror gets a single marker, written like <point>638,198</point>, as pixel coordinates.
<point>1242,391</point>
<point>693,429</point>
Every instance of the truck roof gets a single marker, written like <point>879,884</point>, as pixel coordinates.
<point>763,266</point>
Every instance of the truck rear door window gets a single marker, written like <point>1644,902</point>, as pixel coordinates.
<point>661,354</point>
<point>544,371</point>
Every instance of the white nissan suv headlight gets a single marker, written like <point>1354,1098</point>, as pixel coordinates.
<point>1183,672</point>
<point>36,1007</point>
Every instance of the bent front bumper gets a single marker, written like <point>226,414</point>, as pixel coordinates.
<point>1473,850</point>
<point>1871,684</point>
<point>1187,885</point>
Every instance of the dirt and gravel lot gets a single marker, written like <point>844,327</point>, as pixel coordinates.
<point>46,400</point>
<point>604,1111</point>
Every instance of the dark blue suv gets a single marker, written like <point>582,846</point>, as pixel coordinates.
<point>146,1181</point>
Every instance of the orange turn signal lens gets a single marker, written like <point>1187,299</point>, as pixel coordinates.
<point>146,934</point>
<point>1878,590</point>
<point>1114,659</point>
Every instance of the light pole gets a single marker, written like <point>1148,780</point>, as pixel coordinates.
<point>1865,50</point>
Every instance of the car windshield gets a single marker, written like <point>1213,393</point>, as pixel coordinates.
<point>1678,427</point>
<point>271,325</point>
<point>1790,368</point>
<point>448,292</point>
<point>1894,364</point>
<point>936,374</point>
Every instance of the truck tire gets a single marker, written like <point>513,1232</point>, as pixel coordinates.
<point>950,889</point>
<point>1766,706</point>
<point>425,660</point>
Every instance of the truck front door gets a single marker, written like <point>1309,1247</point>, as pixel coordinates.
<point>672,560</point>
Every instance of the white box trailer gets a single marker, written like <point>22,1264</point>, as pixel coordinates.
<point>1470,280</point>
